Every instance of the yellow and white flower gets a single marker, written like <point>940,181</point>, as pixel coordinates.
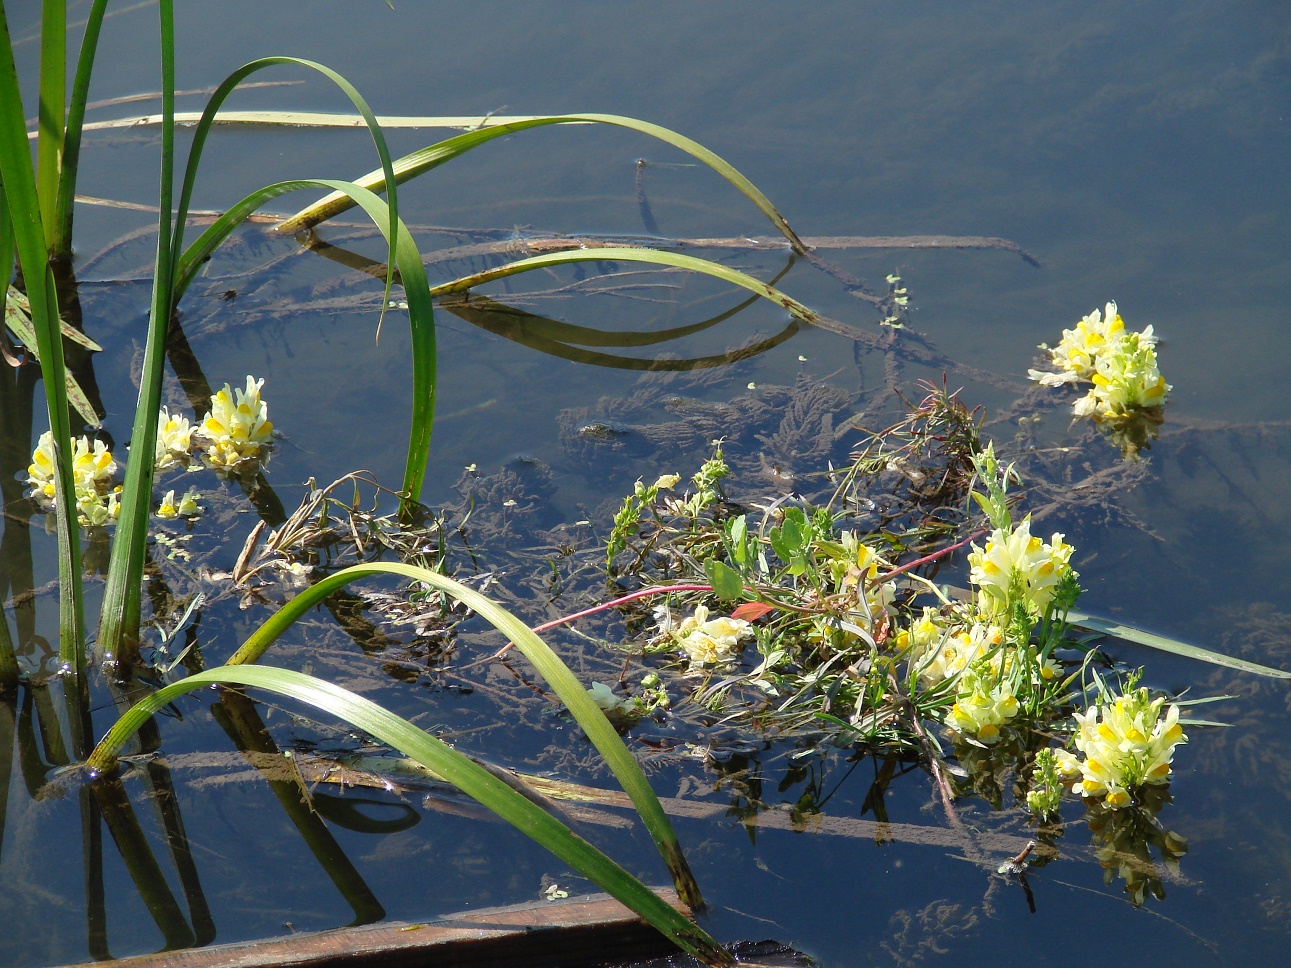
<point>1126,744</point>
<point>1015,561</point>
<point>611,703</point>
<point>949,652</point>
<point>711,641</point>
<point>94,510</point>
<point>184,507</point>
<point>174,438</point>
<point>92,470</point>
<point>983,706</point>
<point>238,426</point>
<point>1125,378</point>
<point>859,566</point>
<point>1079,350</point>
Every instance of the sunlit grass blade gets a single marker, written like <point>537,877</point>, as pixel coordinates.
<point>227,87</point>
<point>434,155</point>
<point>527,330</point>
<point>119,615</point>
<point>468,776</point>
<point>51,111</point>
<point>118,630</point>
<point>650,256</point>
<point>61,244</point>
<point>1129,633</point>
<point>412,276</point>
<point>549,665</point>
<point>19,185</point>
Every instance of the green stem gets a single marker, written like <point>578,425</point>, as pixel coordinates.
<point>51,110</point>
<point>61,245</point>
<point>19,183</point>
<point>119,621</point>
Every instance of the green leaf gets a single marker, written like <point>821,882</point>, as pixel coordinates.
<point>1131,634</point>
<point>435,155</point>
<point>457,768</point>
<point>623,253</point>
<point>563,682</point>
<point>23,206</point>
<point>738,531</point>
<point>726,582</point>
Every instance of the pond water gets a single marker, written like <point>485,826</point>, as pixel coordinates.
<point>1136,151</point>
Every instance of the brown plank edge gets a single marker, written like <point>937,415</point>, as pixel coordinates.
<point>583,931</point>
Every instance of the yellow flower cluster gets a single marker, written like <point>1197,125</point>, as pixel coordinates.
<point>1125,744</point>
<point>236,430</point>
<point>92,470</point>
<point>174,439</point>
<point>1126,379</point>
<point>1018,562</point>
<point>1122,366</point>
<point>939,653</point>
<point>710,641</point>
<point>1076,354</point>
<point>185,507</point>
<point>984,705</point>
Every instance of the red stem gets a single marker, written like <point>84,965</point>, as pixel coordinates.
<point>643,593</point>
<point>932,557</point>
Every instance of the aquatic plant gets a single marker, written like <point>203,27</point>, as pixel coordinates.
<point>38,206</point>
<point>862,647</point>
<point>1127,391</point>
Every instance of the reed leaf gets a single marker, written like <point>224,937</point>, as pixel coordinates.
<point>61,244</point>
<point>659,257</point>
<point>227,87</point>
<point>549,665</point>
<point>1129,633</point>
<point>119,623</point>
<point>435,155</point>
<point>51,110</point>
<point>19,185</point>
<point>119,616</point>
<point>412,276</point>
<point>468,776</point>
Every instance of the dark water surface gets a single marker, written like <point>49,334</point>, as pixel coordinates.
<point>1137,150</point>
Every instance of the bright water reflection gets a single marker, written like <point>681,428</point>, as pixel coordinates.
<point>1137,150</point>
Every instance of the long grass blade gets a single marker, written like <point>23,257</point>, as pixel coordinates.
<point>435,155</point>
<point>657,257</point>
<point>435,755</point>
<point>118,637</point>
<point>17,317</point>
<point>1163,643</point>
<point>19,185</point>
<point>51,112</point>
<point>61,243</point>
<point>412,276</point>
<point>515,326</point>
<point>119,625</point>
<point>227,87</point>
<point>549,665</point>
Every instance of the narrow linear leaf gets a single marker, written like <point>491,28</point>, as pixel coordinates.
<point>658,257</point>
<point>18,319</point>
<point>1164,644</point>
<point>563,682</point>
<point>434,155</point>
<point>468,776</point>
